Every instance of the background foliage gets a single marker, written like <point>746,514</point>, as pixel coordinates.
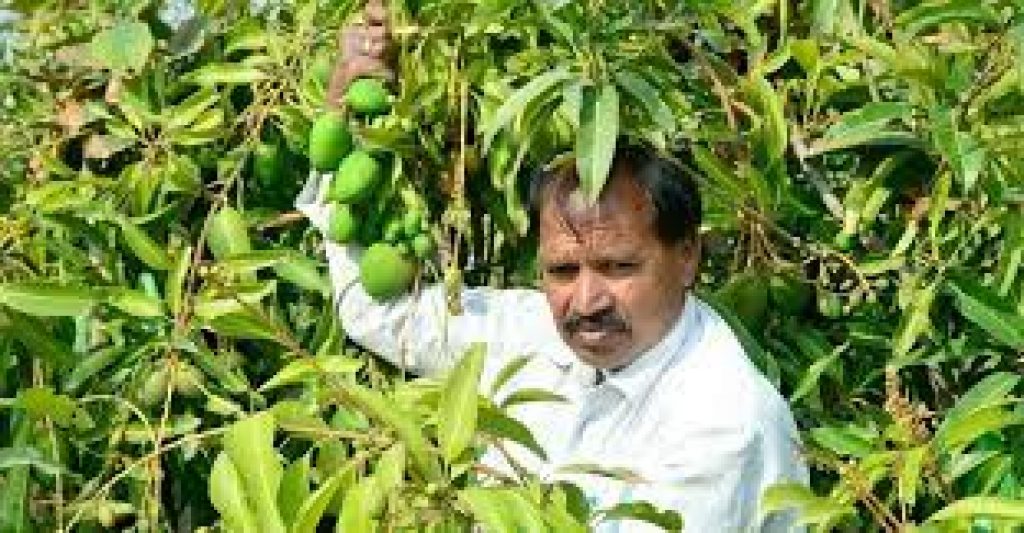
<point>861,164</point>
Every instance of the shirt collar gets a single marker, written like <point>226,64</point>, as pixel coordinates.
<point>636,378</point>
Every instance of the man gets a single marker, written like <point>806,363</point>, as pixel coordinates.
<point>654,381</point>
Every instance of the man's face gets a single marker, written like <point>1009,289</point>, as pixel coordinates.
<point>613,287</point>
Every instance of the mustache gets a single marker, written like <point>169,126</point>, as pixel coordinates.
<point>607,320</point>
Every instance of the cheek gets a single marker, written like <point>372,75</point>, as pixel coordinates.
<point>645,296</point>
<point>632,297</point>
<point>559,297</point>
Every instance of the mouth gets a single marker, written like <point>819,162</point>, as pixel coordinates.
<point>599,332</point>
<point>596,337</point>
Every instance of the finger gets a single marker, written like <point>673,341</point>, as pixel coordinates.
<point>365,66</point>
<point>376,32</point>
<point>376,49</point>
<point>375,12</point>
<point>352,41</point>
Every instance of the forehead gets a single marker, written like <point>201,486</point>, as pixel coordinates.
<point>621,220</point>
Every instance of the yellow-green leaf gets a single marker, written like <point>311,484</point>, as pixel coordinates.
<point>143,246</point>
<point>982,306</point>
<point>457,412</point>
<point>988,506</point>
<point>597,136</point>
<point>228,496</point>
<point>41,299</point>
<point>313,508</point>
<point>249,444</point>
<point>226,74</point>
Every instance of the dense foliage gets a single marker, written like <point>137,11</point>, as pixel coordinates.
<point>169,360</point>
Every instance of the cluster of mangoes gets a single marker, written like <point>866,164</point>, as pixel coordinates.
<point>395,238</point>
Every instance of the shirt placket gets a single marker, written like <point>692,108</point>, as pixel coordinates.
<point>590,439</point>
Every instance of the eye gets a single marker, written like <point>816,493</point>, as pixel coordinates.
<point>619,268</point>
<point>562,270</point>
<point>624,267</point>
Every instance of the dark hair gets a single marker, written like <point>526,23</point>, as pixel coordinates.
<point>676,199</point>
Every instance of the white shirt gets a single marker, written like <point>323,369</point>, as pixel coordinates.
<point>692,417</point>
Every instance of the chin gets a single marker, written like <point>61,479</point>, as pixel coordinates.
<point>603,360</point>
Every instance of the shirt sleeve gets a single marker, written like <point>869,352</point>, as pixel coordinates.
<point>415,331</point>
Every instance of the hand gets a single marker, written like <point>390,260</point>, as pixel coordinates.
<point>363,48</point>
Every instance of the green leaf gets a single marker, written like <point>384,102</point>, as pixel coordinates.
<point>992,507</point>
<point>213,304</point>
<point>502,509</point>
<point>721,177</point>
<point>25,456</point>
<point>303,368</point>
<point>962,464</point>
<point>294,490</point>
<point>964,430</point>
<point>810,508</point>
<point>249,444</point>
<point>249,262</point>
<point>812,375</point>
<point>40,299</point>
<point>531,395</point>
<point>992,391</point>
<point>390,468</point>
<point>207,128</point>
<point>125,46</point>
<point>14,516</point>
<point>909,474</point>
<point>243,324</point>
<point>617,473</point>
<point>191,108</point>
<point>642,91</point>
<point>982,306</point>
<point>250,37</point>
<point>645,512</point>
<point>930,14</point>
<point>849,440</point>
<point>175,284</point>
<point>937,205</point>
<point>773,128</point>
<point>871,116</point>
<point>866,125</point>
<point>226,74</point>
<point>135,302</point>
<point>914,322</point>
<point>36,337</point>
<point>538,87</point>
<point>143,246</point>
<point>497,424</point>
<point>596,138</point>
<point>374,405</point>
<point>227,494</point>
<point>807,54</point>
<point>304,273</point>
<point>969,159</point>
<point>457,411</point>
<point>866,136</point>
<point>362,502</point>
<point>509,371</point>
<point>313,508</point>
<point>90,366</point>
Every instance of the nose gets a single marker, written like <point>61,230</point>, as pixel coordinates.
<point>591,294</point>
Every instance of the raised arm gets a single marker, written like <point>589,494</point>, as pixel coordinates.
<point>415,331</point>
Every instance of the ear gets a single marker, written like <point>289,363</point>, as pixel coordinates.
<point>690,261</point>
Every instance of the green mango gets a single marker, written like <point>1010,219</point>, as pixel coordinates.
<point>329,141</point>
